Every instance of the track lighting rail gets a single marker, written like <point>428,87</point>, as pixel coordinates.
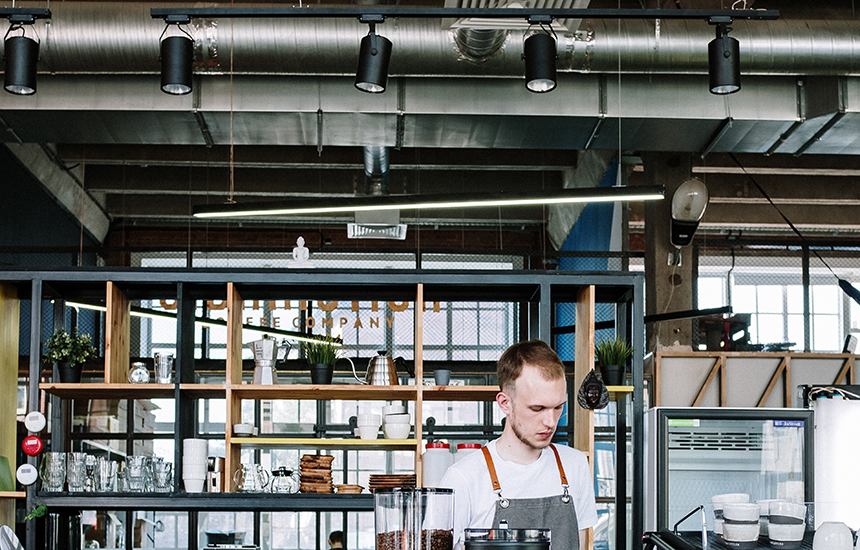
<point>712,16</point>
<point>24,15</point>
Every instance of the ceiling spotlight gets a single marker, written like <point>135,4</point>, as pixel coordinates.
<point>20,54</point>
<point>373,57</point>
<point>539,52</point>
<point>724,67</point>
<point>177,56</point>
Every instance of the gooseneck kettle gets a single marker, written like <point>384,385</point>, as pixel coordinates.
<point>381,371</point>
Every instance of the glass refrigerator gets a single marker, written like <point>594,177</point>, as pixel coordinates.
<point>695,453</point>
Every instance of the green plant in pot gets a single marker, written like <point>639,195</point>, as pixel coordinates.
<point>321,355</point>
<point>612,355</point>
<point>69,351</point>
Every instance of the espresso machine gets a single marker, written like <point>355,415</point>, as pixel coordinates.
<point>267,352</point>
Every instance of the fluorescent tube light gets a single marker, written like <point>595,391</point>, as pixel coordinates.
<point>410,202</point>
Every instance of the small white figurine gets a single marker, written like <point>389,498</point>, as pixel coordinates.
<point>300,255</point>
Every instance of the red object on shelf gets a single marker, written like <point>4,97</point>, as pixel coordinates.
<point>32,445</point>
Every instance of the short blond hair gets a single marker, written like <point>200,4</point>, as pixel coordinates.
<point>536,353</point>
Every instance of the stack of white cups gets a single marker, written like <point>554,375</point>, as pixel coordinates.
<point>195,453</point>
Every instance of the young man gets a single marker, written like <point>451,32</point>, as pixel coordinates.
<point>335,540</point>
<point>521,478</point>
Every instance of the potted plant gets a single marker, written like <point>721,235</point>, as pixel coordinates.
<point>69,351</point>
<point>612,355</point>
<point>321,355</point>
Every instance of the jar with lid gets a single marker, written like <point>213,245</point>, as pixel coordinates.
<point>435,461</point>
<point>408,518</point>
<point>283,481</point>
<point>464,449</point>
<point>138,373</point>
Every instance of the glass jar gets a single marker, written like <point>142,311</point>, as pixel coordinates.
<point>283,481</point>
<point>409,518</point>
<point>138,373</point>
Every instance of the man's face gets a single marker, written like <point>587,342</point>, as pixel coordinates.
<point>534,407</point>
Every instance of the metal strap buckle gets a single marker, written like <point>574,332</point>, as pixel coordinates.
<point>565,498</point>
<point>503,502</point>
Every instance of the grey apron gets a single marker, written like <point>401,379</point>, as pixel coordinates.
<point>556,513</point>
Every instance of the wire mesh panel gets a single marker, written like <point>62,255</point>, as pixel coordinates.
<point>159,259</point>
<point>471,261</point>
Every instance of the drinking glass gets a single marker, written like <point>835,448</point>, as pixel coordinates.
<point>162,473</point>
<point>164,368</point>
<point>105,473</point>
<point>135,472</point>
<point>53,471</point>
<point>90,467</point>
<point>76,475</point>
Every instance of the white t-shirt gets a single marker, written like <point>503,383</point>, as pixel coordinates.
<point>475,501</point>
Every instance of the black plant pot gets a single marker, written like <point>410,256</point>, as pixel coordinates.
<point>612,375</point>
<point>69,372</point>
<point>321,373</point>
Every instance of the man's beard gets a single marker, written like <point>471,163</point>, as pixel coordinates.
<point>516,429</point>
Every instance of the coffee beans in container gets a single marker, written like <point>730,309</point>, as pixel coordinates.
<point>409,518</point>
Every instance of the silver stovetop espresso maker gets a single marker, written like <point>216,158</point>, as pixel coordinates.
<point>267,352</point>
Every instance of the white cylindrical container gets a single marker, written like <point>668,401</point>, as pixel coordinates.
<point>464,449</point>
<point>434,462</point>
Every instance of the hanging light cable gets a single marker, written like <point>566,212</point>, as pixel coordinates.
<point>20,56</point>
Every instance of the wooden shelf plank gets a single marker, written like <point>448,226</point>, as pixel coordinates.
<point>315,443</point>
<point>619,392</point>
<point>460,393</point>
<point>13,494</point>
<point>208,391</point>
<point>108,391</point>
<point>325,392</point>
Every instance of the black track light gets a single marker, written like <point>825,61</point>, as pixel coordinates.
<point>539,52</point>
<point>724,67</point>
<point>20,55</point>
<point>177,56</point>
<point>373,57</point>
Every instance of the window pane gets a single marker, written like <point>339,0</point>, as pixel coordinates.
<point>711,292</point>
<point>770,299</point>
<point>770,329</point>
<point>744,299</point>
<point>825,299</point>
<point>795,331</point>
<point>826,335</point>
<point>794,294</point>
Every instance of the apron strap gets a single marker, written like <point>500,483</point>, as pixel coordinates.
<point>493,477</point>
<point>560,467</point>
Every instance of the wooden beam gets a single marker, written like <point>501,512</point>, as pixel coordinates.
<point>234,335</point>
<point>707,383</point>
<point>9,326</point>
<point>658,378</point>
<point>844,371</point>
<point>418,354</point>
<point>117,335</point>
<point>583,420</point>
<point>724,382</point>
<point>773,380</point>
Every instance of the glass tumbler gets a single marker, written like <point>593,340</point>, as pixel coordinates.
<point>162,473</point>
<point>105,474</point>
<point>53,471</point>
<point>135,472</point>
<point>76,472</point>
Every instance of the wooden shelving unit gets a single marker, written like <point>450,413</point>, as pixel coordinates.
<point>537,293</point>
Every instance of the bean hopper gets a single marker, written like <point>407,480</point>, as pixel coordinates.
<point>267,352</point>
<point>409,518</point>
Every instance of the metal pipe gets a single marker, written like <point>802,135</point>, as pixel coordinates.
<point>122,38</point>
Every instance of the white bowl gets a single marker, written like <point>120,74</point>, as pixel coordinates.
<point>243,430</point>
<point>356,432</point>
<point>718,527</point>
<point>193,485</point>
<point>398,418</point>
<point>786,531</point>
<point>786,512</point>
<point>396,431</point>
<point>718,501</point>
<point>740,532</point>
<point>393,409</point>
<point>741,511</point>
<point>368,432</point>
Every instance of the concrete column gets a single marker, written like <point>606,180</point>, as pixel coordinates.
<point>668,288</point>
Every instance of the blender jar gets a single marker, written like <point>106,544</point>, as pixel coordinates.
<point>414,518</point>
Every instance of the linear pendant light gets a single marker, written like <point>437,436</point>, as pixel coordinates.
<point>410,202</point>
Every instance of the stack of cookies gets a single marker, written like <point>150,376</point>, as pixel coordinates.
<point>315,474</point>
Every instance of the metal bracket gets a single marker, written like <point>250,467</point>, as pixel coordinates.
<point>178,19</point>
<point>538,19</point>
<point>719,20</point>
<point>371,18</point>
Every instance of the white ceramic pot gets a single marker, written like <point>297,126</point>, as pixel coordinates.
<point>786,532</point>
<point>833,535</point>
<point>740,532</point>
<point>396,431</point>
